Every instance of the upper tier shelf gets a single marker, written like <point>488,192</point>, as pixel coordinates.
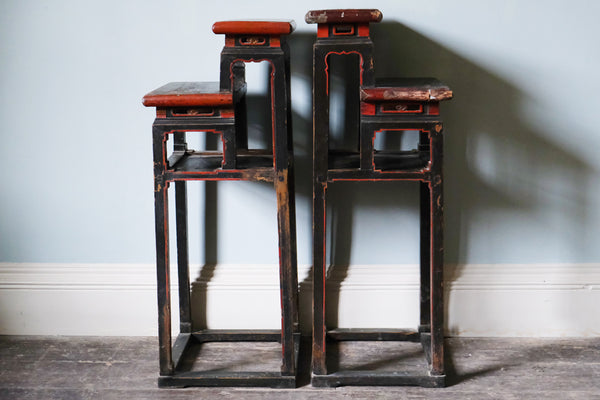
<point>340,16</point>
<point>254,27</point>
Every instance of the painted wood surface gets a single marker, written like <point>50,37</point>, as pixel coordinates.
<point>343,16</point>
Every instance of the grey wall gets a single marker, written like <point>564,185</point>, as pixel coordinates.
<point>522,172</point>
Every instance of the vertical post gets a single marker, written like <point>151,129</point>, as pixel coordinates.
<point>437,253</point>
<point>279,95</point>
<point>233,78</point>
<point>366,147</point>
<point>229,147</point>
<point>161,212</point>
<point>239,103</point>
<point>368,67</point>
<point>286,272</point>
<point>320,160</point>
<point>425,243</point>
<point>291,186</point>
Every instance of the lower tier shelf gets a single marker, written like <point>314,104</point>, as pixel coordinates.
<point>383,161</point>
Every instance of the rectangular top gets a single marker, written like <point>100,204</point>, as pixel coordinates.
<point>406,89</point>
<point>187,94</point>
<point>254,27</point>
<point>343,16</point>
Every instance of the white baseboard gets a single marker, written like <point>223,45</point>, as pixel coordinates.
<point>481,300</point>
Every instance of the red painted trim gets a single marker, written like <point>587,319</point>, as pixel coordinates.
<point>343,53</point>
<point>227,113</point>
<point>367,109</point>
<point>322,30</point>
<point>229,41</point>
<point>424,170</point>
<point>271,87</point>
<point>161,112</point>
<point>433,109</point>
<point>363,30</point>
<point>275,41</point>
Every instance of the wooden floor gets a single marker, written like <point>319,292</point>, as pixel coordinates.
<point>127,368</point>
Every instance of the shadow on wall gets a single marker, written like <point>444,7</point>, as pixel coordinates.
<point>493,162</point>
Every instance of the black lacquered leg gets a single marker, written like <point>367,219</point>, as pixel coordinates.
<point>437,254</point>
<point>291,190</point>
<point>286,270</point>
<point>320,160</point>
<point>287,248</point>
<point>161,210</point>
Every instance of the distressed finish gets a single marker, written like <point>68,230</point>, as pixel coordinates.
<point>406,89</point>
<point>342,16</point>
<point>220,108</point>
<point>392,106</point>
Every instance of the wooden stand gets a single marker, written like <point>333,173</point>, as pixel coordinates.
<point>400,105</point>
<point>219,108</point>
